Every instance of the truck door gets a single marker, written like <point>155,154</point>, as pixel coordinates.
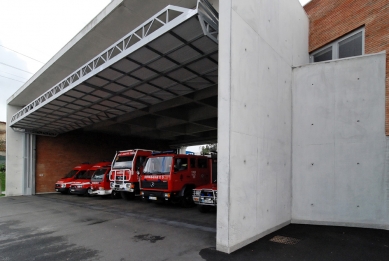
<point>180,174</point>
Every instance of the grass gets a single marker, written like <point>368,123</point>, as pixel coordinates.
<point>2,178</point>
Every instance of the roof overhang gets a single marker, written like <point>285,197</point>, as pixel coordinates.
<point>167,65</point>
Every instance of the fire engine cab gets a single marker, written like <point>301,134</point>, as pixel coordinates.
<point>63,185</point>
<point>100,184</point>
<point>172,177</point>
<point>82,184</point>
<point>125,166</point>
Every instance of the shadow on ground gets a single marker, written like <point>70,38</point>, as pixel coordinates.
<point>306,242</point>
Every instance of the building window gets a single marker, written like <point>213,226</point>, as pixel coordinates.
<point>352,44</point>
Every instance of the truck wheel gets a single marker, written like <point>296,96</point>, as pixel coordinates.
<point>203,208</point>
<point>187,199</point>
<point>115,194</point>
<point>127,195</point>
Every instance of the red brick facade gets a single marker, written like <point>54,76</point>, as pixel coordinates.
<point>55,157</point>
<point>331,19</point>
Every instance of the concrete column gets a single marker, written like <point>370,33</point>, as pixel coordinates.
<point>224,124</point>
<point>14,157</point>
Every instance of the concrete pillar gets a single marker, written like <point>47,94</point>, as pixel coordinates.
<point>14,157</point>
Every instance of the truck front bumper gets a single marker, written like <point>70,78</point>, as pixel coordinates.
<point>79,191</point>
<point>62,190</point>
<point>125,187</point>
<point>157,195</point>
<point>101,192</point>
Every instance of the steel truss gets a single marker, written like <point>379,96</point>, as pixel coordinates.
<point>156,26</point>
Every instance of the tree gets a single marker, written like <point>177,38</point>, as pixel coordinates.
<point>208,149</point>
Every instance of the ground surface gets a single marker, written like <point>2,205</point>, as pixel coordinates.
<point>66,227</point>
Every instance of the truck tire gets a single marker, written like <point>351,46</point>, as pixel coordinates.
<point>187,199</point>
<point>203,208</point>
<point>115,194</point>
<point>127,195</point>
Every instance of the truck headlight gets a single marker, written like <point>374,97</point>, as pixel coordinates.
<point>111,185</point>
<point>196,192</point>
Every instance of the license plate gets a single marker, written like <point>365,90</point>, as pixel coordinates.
<point>195,198</point>
<point>72,190</point>
<point>56,189</point>
<point>152,198</point>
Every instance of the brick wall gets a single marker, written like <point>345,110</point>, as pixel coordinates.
<point>55,157</point>
<point>331,19</point>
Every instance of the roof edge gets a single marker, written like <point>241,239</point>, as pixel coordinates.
<point>85,30</point>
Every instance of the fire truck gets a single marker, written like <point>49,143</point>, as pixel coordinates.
<point>63,185</point>
<point>82,183</point>
<point>172,177</point>
<point>206,196</point>
<point>124,173</point>
<point>100,183</point>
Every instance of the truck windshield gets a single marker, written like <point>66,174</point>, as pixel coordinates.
<point>158,165</point>
<point>99,174</point>
<point>86,175</point>
<point>123,162</point>
<point>71,173</point>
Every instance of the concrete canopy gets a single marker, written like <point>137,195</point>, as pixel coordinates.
<point>158,81</point>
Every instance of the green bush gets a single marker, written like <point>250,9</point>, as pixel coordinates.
<point>2,176</point>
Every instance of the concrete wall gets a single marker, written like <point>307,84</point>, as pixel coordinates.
<point>340,151</point>
<point>259,43</point>
<point>14,158</point>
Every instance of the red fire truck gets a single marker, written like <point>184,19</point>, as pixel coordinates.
<point>100,184</point>
<point>172,177</point>
<point>206,196</point>
<point>63,185</point>
<point>82,183</point>
<point>125,166</point>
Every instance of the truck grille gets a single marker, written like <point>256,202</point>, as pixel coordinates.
<point>154,184</point>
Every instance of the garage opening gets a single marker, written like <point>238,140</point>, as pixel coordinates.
<point>154,88</point>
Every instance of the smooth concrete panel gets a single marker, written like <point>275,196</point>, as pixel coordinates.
<point>340,163</point>
<point>300,23</point>
<point>223,131</point>
<point>244,173</point>
<point>314,94</point>
<point>259,122</point>
<point>318,170</point>
<point>14,157</point>
<point>284,25</point>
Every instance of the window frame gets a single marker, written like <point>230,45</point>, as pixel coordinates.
<point>335,46</point>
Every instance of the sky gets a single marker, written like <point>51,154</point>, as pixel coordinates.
<point>33,31</point>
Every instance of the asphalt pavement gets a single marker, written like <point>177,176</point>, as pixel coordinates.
<point>67,227</point>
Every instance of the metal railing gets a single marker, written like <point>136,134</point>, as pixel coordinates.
<point>161,19</point>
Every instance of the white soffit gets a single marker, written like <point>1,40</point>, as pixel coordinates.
<point>172,54</point>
